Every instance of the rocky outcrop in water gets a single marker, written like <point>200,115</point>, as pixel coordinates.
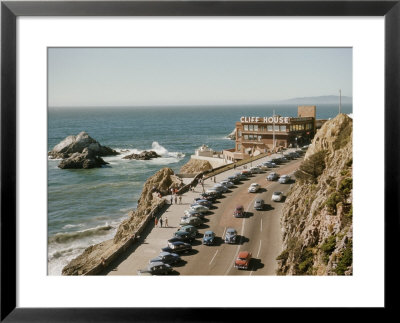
<point>144,155</point>
<point>86,159</point>
<point>161,182</point>
<point>195,166</point>
<point>317,216</point>
<point>76,144</point>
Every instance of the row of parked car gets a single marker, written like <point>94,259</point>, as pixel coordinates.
<point>193,218</point>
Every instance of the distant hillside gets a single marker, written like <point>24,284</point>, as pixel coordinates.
<point>327,99</point>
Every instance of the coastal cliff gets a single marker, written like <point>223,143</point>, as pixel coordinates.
<point>317,216</point>
<point>195,166</point>
<point>149,200</point>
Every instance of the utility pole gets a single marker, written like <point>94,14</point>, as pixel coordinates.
<point>273,131</point>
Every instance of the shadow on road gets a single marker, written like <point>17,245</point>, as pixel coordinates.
<point>242,239</point>
<point>256,264</point>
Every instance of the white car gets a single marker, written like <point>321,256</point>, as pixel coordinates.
<point>277,196</point>
<point>255,170</point>
<point>227,183</point>
<point>200,208</point>
<point>254,187</point>
<point>284,179</point>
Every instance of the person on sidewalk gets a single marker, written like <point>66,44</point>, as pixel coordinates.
<point>161,220</point>
<point>171,199</point>
<point>176,199</point>
<point>155,221</point>
<point>180,199</point>
<point>166,222</point>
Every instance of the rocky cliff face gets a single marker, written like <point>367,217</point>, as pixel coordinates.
<point>195,166</point>
<point>317,217</point>
<point>161,182</point>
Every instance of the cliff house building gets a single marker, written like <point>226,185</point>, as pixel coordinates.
<point>256,135</point>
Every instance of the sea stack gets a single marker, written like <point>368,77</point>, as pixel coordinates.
<point>81,151</point>
<point>144,155</point>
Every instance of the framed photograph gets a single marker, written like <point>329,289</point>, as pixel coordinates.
<point>116,117</point>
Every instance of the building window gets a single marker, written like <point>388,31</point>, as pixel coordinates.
<point>283,128</point>
<point>246,127</point>
<point>269,128</point>
<point>239,147</point>
<point>256,127</point>
<point>250,127</point>
<point>276,128</point>
<point>259,138</point>
<point>239,133</point>
<point>246,137</point>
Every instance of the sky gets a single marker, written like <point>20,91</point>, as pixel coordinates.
<point>85,77</point>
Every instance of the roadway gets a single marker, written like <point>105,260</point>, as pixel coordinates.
<point>260,231</point>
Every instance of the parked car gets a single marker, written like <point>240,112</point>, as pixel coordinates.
<point>259,204</point>
<point>270,164</point>
<point>227,183</point>
<point>276,161</point>
<point>284,179</point>
<point>200,209</point>
<point>243,260</point>
<point>272,176</point>
<point>304,148</point>
<point>233,179</point>
<point>191,213</point>
<point>230,235</point>
<point>294,155</point>
<point>288,156</point>
<point>214,193</point>
<point>209,238</point>
<point>255,170</point>
<point>178,247</point>
<point>220,187</point>
<point>254,187</point>
<point>182,236</point>
<point>156,268</point>
<point>201,201</point>
<point>240,176</point>
<point>238,212</point>
<point>277,196</point>
<point>209,196</point>
<point>193,220</point>
<point>284,159</point>
<point>246,172</point>
<point>189,228</point>
<point>166,258</point>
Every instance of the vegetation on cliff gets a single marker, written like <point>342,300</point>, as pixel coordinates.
<point>317,217</point>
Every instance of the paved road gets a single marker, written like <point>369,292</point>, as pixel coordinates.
<point>260,231</point>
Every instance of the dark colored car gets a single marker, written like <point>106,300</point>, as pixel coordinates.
<point>209,197</point>
<point>209,238</point>
<point>178,247</point>
<point>166,258</point>
<point>233,179</point>
<point>276,160</point>
<point>259,204</point>
<point>156,268</point>
<point>288,156</point>
<point>183,236</point>
<point>238,212</point>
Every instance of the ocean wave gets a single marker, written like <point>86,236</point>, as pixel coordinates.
<point>65,237</point>
<point>155,146</point>
<point>70,226</point>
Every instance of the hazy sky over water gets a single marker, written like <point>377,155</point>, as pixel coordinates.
<point>184,76</point>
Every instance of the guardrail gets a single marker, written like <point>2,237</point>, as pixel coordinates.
<point>102,265</point>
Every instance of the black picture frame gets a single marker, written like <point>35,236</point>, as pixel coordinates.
<point>10,10</point>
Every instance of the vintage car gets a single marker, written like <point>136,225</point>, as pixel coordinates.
<point>156,268</point>
<point>166,258</point>
<point>254,187</point>
<point>239,212</point>
<point>177,247</point>
<point>231,235</point>
<point>209,238</point>
<point>272,176</point>
<point>243,260</point>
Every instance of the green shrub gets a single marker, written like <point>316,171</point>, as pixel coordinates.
<point>306,262</point>
<point>328,246</point>
<point>345,260</point>
<point>346,184</point>
<point>332,201</point>
<point>283,256</point>
<point>311,168</point>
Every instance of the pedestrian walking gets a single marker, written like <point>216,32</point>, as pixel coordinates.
<point>215,178</point>
<point>171,198</point>
<point>161,222</point>
<point>155,221</point>
<point>234,166</point>
<point>176,199</point>
<point>166,221</point>
<point>180,199</point>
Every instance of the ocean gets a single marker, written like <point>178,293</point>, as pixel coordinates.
<point>86,206</point>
